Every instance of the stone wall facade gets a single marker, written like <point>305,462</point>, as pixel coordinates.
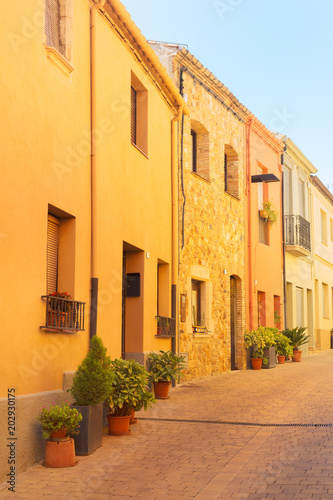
<point>212,231</point>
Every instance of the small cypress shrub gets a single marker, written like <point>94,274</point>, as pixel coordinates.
<point>92,382</point>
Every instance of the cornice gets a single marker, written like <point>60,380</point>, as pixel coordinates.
<point>296,155</point>
<point>131,35</point>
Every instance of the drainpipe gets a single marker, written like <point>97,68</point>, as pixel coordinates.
<point>249,216</point>
<point>284,245</point>
<point>94,280</point>
<point>174,191</point>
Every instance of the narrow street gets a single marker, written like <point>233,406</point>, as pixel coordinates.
<point>247,434</point>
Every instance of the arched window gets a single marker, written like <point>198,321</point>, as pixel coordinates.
<point>199,149</point>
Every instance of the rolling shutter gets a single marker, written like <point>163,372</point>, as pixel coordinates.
<point>52,23</point>
<point>133,115</point>
<point>53,225</point>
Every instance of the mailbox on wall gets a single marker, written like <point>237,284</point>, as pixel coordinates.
<point>133,284</point>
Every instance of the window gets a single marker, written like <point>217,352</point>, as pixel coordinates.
<point>196,303</point>
<point>194,150</point>
<point>262,196</point>
<point>299,307</point>
<point>60,252</point>
<point>261,309</point>
<point>163,286</point>
<point>323,227</point>
<point>287,192</point>
<point>325,300</point>
<point>230,171</point>
<point>277,311</point>
<point>331,228</point>
<point>199,149</point>
<point>139,115</point>
<point>53,225</point>
<point>58,26</point>
<point>301,195</point>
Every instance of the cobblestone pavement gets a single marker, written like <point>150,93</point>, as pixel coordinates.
<point>247,434</point>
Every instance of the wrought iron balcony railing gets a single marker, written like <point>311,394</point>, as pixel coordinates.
<point>63,314</point>
<point>297,232</point>
<point>166,327</point>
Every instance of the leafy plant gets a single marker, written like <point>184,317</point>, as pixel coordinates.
<point>277,318</point>
<point>259,339</point>
<point>283,345</point>
<point>297,336</point>
<point>129,388</point>
<point>268,212</point>
<point>58,417</point>
<point>165,366</point>
<point>92,382</point>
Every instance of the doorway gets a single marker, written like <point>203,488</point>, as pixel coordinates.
<point>233,323</point>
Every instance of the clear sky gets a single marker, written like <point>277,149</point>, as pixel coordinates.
<point>274,56</point>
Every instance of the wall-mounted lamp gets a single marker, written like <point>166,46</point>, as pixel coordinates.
<point>264,178</point>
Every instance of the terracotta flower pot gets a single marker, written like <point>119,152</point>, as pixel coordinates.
<point>60,453</point>
<point>118,426</point>
<point>281,359</point>
<point>256,363</point>
<point>59,435</point>
<point>133,420</point>
<point>161,389</point>
<point>297,356</point>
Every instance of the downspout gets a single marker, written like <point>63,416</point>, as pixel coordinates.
<point>248,187</point>
<point>174,198</point>
<point>93,167</point>
<point>284,245</point>
<point>181,91</point>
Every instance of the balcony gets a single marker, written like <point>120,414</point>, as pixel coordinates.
<point>63,315</point>
<point>166,327</point>
<point>297,235</point>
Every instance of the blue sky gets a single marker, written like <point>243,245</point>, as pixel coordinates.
<point>275,57</point>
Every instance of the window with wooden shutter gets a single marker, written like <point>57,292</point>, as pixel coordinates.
<point>139,115</point>
<point>53,225</point>
<point>133,115</point>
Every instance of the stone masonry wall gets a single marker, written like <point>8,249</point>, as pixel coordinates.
<point>214,235</point>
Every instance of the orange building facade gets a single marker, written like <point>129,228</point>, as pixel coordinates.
<point>264,254</point>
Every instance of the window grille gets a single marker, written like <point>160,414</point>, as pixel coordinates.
<point>52,24</point>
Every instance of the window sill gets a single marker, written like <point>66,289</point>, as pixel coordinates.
<point>164,336</point>
<point>233,196</point>
<point>201,338</point>
<point>55,330</point>
<point>59,60</point>
<point>136,147</point>
<point>195,174</point>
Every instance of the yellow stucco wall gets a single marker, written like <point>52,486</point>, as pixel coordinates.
<point>323,270</point>
<point>44,161</point>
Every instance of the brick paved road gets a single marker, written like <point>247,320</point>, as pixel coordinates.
<point>170,459</point>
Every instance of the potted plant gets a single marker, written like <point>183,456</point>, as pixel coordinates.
<point>256,340</point>
<point>298,338</point>
<point>268,212</point>
<point>92,384</point>
<point>269,349</point>
<point>164,367</point>
<point>59,309</point>
<point>283,347</point>
<point>58,423</point>
<point>129,392</point>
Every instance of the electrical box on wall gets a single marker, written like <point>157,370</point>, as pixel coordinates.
<point>133,284</point>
